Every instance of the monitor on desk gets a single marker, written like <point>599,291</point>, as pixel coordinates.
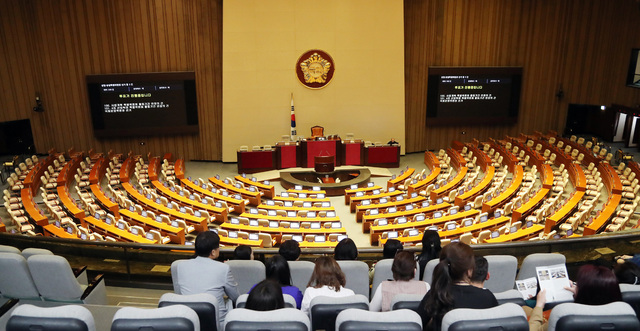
<point>302,195</point>
<point>253,222</point>
<point>326,204</point>
<point>69,230</point>
<point>315,225</point>
<point>467,221</point>
<point>408,207</point>
<point>401,220</point>
<point>342,236</point>
<point>331,213</point>
<point>307,204</point>
<point>297,238</point>
<point>298,187</point>
<point>272,213</point>
<point>391,189</point>
<point>311,214</point>
<point>274,224</point>
<point>270,203</point>
<point>253,211</point>
<point>284,194</point>
<point>336,225</point>
<point>295,225</point>
<point>320,196</point>
<point>439,201</point>
<point>373,212</point>
<point>254,236</point>
<point>234,220</point>
<point>437,214</point>
<point>399,198</point>
<point>353,187</point>
<point>233,234</point>
<point>320,239</point>
<point>392,234</point>
<point>420,217</point>
<point>288,203</point>
<point>383,200</point>
<point>370,184</point>
<point>291,213</point>
<point>376,192</point>
<point>414,232</point>
<point>392,210</point>
<point>366,202</point>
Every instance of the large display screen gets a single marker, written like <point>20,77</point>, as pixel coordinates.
<point>143,104</point>
<point>473,95</point>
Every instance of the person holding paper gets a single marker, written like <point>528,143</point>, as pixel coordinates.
<point>451,287</point>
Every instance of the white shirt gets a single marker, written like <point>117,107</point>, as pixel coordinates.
<point>376,301</point>
<point>324,291</point>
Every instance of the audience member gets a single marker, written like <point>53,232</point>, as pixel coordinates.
<point>277,270</point>
<point>430,249</point>
<point>594,285</point>
<point>327,279</point>
<point>203,274</point>
<point>290,250</point>
<point>393,142</point>
<point>243,252</point>
<point>627,273</point>
<point>346,250</point>
<point>266,295</point>
<point>481,272</point>
<point>390,248</point>
<point>451,287</point>
<point>404,270</point>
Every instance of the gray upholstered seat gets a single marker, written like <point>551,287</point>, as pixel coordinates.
<point>631,295</point>
<point>357,319</point>
<point>508,316</point>
<point>301,273</point>
<point>68,318</point>
<point>9,249</point>
<point>383,272</point>
<point>171,318</point>
<point>324,310</point>
<point>286,319</point>
<point>574,316</point>
<point>15,278</point>
<point>55,281</point>
<point>289,301</point>
<point>204,304</point>
<point>247,273</point>
<point>502,272</point>
<point>529,264</point>
<point>510,296</point>
<point>428,270</point>
<point>27,252</point>
<point>406,301</point>
<point>357,276</point>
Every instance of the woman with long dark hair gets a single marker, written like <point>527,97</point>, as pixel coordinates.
<point>277,270</point>
<point>451,287</point>
<point>266,295</point>
<point>430,249</point>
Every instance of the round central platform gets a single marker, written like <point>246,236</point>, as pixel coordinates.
<point>334,183</point>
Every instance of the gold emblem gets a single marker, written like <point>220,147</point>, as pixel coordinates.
<point>315,69</point>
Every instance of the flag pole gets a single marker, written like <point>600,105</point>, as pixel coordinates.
<point>294,132</point>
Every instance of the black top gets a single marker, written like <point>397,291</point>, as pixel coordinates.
<point>464,296</point>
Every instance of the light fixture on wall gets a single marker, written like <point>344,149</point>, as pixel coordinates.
<point>38,108</point>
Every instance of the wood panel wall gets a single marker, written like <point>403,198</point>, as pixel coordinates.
<point>48,46</point>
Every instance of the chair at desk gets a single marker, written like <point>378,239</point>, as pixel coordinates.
<point>317,131</point>
<point>255,148</point>
<point>244,148</point>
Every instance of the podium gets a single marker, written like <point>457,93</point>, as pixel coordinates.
<point>324,164</point>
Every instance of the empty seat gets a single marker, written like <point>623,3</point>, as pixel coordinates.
<point>508,316</point>
<point>9,249</point>
<point>324,310</point>
<point>502,271</point>
<point>247,273</point>
<point>285,319</point>
<point>174,318</point>
<point>407,301</point>
<point>357,276</point>
<point>69,318</point>
<point>204,304</point>
<point>356,319</point>
<point>574,316</point>
<point>15,278</point>
<point>300,273</point>
<point>55,281</point>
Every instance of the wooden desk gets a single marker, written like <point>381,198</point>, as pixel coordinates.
<point>361,209</point>
<point>474,228</point>
<point>219,213</point>
<point>313,148</point>
<point>69,203</point>
<point>605,215</point>
<point>610,178</point>
<point>564,212</point>
<point>498,201</point>
<point>400,179</point>
<point>279,231</point>
<point>294,199</point>
<point>253,197</point>
<point>290,219</point>
<point>382,156</point>
<point>154,167</point>
<point>377,230</point>
<point>199,223</point>
<point>178,168</point>
<point>295,208</point>
<point>32,179</point>
<point>433,164</point>
<point>352,152</point>
<point>287,155</point>
<point>313,244</point>
<point>226,241</point>
<point>522,234</point>
<point>105,202</point>
<point>98,170</point>
<point>256,161</point>
<point>68,171</point>
<point>175,234</point>
<point>111,230</point>
<point>444,189</point>
<point>352,192</point>
<point>530,205</point>
<point>367,220</point>
<point>31,208</point>
<point>126,169</point>
<point>465,197</point>
<point>237,205</point>
<point>268,191</point>
<point>50,230</point>
<point>373,197</point>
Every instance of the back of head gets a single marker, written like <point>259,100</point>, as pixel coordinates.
<point>277,270</point>
<point>346,250</point>
<point>597,285</point>
<point>290,250</point>
<point>206,242</point>
<point>327,272</point>
<point>266,295</point>
<point>456,265</point>
<point>430,245</point>
<point>481,270</point>
<point>627,273</point>
<point>404,266</point>
<point>390,248</point>
<point>242,252</point>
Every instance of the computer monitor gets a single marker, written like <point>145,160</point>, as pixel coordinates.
<point>483,218</point>
<point>270,203</point>
<point>369,184</point>
<point>413,233</point>
<point>392,209</point>
<point>353,187</point>
<point>298,187</point>
<point>419,218</point>
<point>382,222</point>
<point>307,204</point>
<point>437,214</point>
<point>284,194</point>
<point>295,225</point>
<point>315,225</point>
<point>311,214</point>
<point>468,222</point>
<point>253,222</point>
<point>401,220</point>
<point>288,203</point>
<point>392,234</point>
<point>274,224</point>
<point>336,225</point>
<point>272,213</point>
<point>373,212</point>
<point>254,236</point>
<point>342,236</point>
<point>326,204</point>
<point>320,196</point>
<point>451,226</point>
<point>366,202</point>
<point>383,200</point>
<point>297,238</point>
<point>315,188</point>
<point>331,213</point>
<point>233,234</point>
<point>234,220</point>
<point>302,195</point>
<point>408,207</point>
<point>291,213</point>
<point>414,195</point>
<point>253,211</point>
<point>495,234</point>
<point>376,192</point>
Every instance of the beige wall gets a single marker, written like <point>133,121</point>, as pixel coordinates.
<point>262,41</point>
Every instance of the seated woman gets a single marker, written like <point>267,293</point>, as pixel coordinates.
<point>430,249</point>
<point>346,250</point>
<point>266,295</point>
<point>243,252</point>
<point>277,270</point>
<point>451,287</point>
<point>326,280</point>
<point>404,270</point>
<point>595,285</point>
